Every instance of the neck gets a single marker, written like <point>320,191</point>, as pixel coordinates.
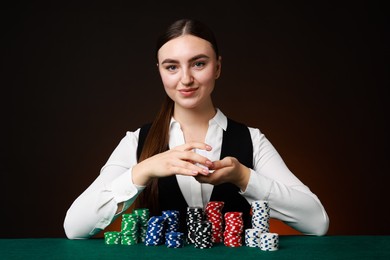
<point>194,117</point>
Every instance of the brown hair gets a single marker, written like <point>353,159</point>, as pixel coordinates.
<point>157,140</point>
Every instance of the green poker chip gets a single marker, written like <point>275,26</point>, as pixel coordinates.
<point>133,229</point>
<point>112,238</point>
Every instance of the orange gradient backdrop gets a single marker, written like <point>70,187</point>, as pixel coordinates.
<point>312,77</point>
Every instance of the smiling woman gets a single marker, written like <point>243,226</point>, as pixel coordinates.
<point>192,153</point>
<point>188,69</point>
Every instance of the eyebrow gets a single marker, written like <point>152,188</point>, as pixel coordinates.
<point>200,56</point>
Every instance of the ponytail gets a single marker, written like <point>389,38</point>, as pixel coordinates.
<point>157,141</point>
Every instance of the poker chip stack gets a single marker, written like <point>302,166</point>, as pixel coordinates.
<point>260,215</point>
<point>171,220</point>
<point>269,242</point>
<point>143,217</point>
<point>155,231</point>
<point>258,235</point>
<point>260,223</point>
<point>129,229</point>
<point>234,226</point>
<point>112,238</point>
<point>214,214</point>
<point>203,235</point>
<point>174,239</point>
<point>194,215</point>
<point>252,237</point>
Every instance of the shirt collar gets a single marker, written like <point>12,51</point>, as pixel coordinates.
<point>219,119</point>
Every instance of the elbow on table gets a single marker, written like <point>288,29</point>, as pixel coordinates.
<point>71,235</point>
<point>321,227</point>
<point>72,230</point>
<point>314,225</point>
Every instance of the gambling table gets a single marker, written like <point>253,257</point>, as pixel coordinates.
<point>291,247</point>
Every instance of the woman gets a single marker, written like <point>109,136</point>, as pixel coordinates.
<point>192,153</point>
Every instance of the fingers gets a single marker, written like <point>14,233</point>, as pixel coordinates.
<point>183,163</point>
<point>181,160</point>
<point>197,159</point>
<point>193,145</point>
<point>189,168</point>
<point>225,162</point>
<point>194,153</point>
<point>229,169</point>
<point>212,178</point>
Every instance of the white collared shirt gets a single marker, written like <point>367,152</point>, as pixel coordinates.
<point>270,179</point>
<point>198,194</point>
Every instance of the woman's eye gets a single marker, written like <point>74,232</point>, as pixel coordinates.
<point>171,67</point>
<point>199,64</point>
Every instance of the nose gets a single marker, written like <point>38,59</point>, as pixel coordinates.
<point>186,78</point>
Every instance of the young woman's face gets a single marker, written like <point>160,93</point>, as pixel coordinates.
<point>188,67</point>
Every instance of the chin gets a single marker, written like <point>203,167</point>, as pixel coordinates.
<point>188,105</point>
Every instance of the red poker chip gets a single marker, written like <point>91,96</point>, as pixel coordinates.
<point>213,212</point>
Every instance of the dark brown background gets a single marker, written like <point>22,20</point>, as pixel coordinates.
<point>311,76</point>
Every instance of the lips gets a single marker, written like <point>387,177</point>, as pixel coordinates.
<point>188,91</point>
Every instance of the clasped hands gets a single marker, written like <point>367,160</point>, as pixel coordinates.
<point>184,161</point>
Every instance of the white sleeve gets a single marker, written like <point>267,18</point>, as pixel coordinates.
<point>96,207</point>
<point>290,200</point>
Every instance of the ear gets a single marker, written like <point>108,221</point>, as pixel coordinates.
<point>218,67</point>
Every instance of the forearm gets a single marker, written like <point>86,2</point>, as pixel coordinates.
<point>97,206</point>
<point>86,217</point>
<point>300,210</point>
<point>296,206</point>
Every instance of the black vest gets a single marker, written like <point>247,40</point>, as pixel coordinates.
<point>237,143</point>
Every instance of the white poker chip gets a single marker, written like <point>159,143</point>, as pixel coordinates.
<point>269,241</point>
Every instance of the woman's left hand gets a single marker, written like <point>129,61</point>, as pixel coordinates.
<point>229,169</point>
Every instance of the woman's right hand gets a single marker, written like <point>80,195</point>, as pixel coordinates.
<point>179,160</point>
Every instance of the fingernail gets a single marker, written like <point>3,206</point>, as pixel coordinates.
<point>210,163</point>
<point>208,147</point>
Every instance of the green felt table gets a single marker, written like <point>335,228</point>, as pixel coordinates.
<point>291,247</point>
